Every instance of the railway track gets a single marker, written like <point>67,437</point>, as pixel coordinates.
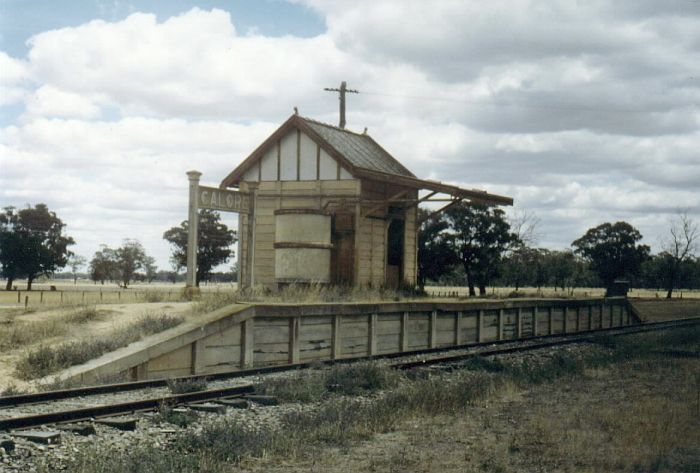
<point>417,359</point>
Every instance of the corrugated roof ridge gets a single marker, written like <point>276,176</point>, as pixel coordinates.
<point>336,128</point>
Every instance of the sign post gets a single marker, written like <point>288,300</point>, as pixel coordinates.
<point>192,224</point>
<point>211,198</point>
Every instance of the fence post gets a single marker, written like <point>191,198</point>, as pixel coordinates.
<point>404,331</point>
<point>550,311</point>
<point>19,296</point>
<point>41,296</point>
<point>519,322</point>
<point>26,302</point>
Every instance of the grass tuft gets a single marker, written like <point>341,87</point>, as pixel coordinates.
<point>47,359</point>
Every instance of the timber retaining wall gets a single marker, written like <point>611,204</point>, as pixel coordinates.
<point>238,337</point>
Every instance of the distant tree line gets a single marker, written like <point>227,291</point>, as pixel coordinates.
<point>476,246</point>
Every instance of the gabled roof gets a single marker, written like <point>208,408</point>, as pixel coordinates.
<point>362,157</point>
<point>360,149</point>
<point>354,151</point>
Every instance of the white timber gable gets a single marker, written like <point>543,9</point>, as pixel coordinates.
<point>296,157</point>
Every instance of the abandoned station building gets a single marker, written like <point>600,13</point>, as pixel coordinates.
<point>332,206</point>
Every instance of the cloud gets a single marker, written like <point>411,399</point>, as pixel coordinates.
<point>583,112</point>
<point>13,79</point>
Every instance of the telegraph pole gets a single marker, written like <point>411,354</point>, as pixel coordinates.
<point>342,91</point>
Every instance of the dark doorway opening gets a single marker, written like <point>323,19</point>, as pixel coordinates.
<point>394,253</point>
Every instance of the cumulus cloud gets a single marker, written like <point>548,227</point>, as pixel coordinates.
<point>582,111</point>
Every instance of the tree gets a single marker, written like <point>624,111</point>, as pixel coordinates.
<point>213,243</point>
<point>612,251</point>
<point>481,237</point>
<point>679,247</point>
<point>150,268</point>
<point>435,254</point>
<point>130,257</point>
<point>520,267</point>
<point>32,243</point>
<point>103,266</point>
<point>76,262</point>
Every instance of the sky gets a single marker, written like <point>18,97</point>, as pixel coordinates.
<point>583,111</point>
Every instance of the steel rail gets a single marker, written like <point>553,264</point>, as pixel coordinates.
<point>587,337</point>
<point>153,403</point>
<point>48,396</point>
<point>88,413</point>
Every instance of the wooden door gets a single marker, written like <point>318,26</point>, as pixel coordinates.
<point>343,253</point>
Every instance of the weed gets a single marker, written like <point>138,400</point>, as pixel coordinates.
<point>47,359</point>
<point>358,377</point>
<point>83,314</point>
<point>187,385</point>
<point>302,386</point>
<point>168,415</point>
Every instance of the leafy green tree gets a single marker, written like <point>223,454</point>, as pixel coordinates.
<point>520,267</point>
<point>481,237</point>
<point>612,251</point>
<point>435,254</point>
<point>213,243</point>
<point>150,268</point>
<point>103,266</point>
<point>130,257</point>
<point>32,243</point>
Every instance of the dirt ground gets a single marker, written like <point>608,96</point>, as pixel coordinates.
<point>109,317</point>
<point>636,416</point>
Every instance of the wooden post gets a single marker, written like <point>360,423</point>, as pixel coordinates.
<point>372,338</point>
<point>336,350</point>
<point>578,318</point>
<point>41,296</point>
<point>247,334</point>
<point>19,296</point>
<point>432,338</point>
<point>550,311</point>
<point>100,295</point>
<point>480,326</point>
<point>458,328</point>
<point>119,295</point>
<point>590,317</point>
<point>499,336</point>
<point>602,309</point>
<point>26,302</point>
<point>534,321</point>
<point>404,331</point>
<point>294,339</point>
<point>565,322</point>
<point>193,177</point>
<point>519,322</point>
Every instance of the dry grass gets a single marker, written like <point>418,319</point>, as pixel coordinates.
<point>628,407</point>
<point>46,359</point>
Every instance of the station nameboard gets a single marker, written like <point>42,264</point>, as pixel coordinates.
<point>213,198</point>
